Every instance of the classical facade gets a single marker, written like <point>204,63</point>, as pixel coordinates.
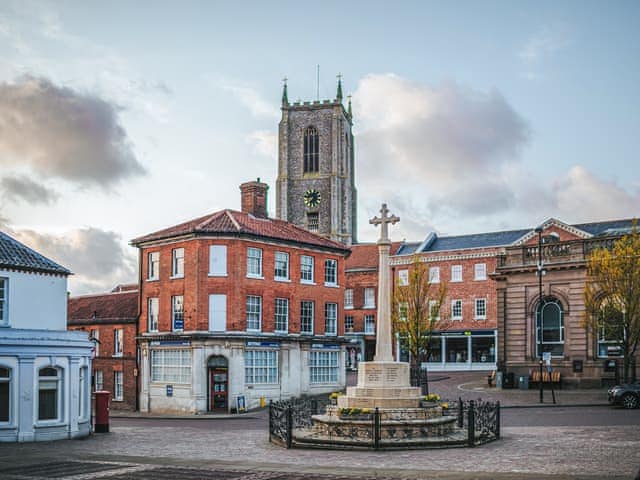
<point>316,178</point>
<point>110,319</point>
<point>236,308</point>
<point>44,369</point>
<point>551,321</point>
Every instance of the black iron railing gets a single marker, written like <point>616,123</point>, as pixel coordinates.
<point>479,419</point>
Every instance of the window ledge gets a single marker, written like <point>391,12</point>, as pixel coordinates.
<point>479,318</point>
<point>253,330</point>
<point>256,277</point>
<point>173,277</point>
<point>281,332</point>
<point>479,279</point>
<point>217,274</point>
<point>117,355</point>
<point>368,307</point>
<point>282,279</point>
<point>458,319</point>
<point>307,282</point>
<point>331,285</point>
<point>155,279</point>
<point>348,307</point>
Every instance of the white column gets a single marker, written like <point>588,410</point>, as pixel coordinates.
<point>27,416</point>
<point>383,324</point>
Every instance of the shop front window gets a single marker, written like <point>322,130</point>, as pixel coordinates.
<point>483,349</point>
<point>457,349</point>
<point>435,350</point>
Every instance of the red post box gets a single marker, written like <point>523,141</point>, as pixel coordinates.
<point>101,422</point>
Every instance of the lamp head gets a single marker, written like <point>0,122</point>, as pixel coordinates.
<point>538,229</point>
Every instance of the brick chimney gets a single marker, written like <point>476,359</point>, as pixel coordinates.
<point>254,198</point>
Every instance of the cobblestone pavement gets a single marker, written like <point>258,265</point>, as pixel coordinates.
<point>527,452</point>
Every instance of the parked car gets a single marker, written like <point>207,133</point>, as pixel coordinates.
<point>627,395</point>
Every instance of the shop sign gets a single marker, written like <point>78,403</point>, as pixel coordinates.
<point>169,390</point>
<point>263,344</point>
<point>173,343</point>
<point>324,346</point>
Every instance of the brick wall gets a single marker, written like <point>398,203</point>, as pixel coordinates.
<point>107,363</point>
<point>197,285</point>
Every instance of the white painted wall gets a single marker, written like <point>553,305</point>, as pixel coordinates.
<point>36,301</point>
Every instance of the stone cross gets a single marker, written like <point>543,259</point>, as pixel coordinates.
<point>384,220</point>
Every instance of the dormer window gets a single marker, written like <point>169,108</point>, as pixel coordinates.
<point>311,157</point>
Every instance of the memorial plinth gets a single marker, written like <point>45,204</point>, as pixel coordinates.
<point>381,385</point>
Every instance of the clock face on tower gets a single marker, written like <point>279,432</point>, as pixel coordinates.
<point>311,198</point>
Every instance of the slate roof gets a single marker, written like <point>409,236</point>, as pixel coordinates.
<point>613,227</point>
<point>231,222</point>
<point>107,307</point>
<point>15,255</point>
<point>504,238</point>
<point>364,256</point>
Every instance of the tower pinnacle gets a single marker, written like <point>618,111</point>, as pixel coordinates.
<point>285,97</point>
<point>339,92</point>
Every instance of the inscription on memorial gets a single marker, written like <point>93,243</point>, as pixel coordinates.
<point>392,375</point>
<point>374,375</point>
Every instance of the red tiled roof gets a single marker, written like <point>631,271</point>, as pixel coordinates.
<point>239,223</point>
<point>365,255</point>
<point>106,306</point>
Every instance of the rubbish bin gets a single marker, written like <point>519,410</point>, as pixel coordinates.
<point>102,412</point>
<point>523,382</point>
<point>508,380</point>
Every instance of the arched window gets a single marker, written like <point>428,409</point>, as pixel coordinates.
<point>550,327</point>
<point>49,393</point>
<point>5,394</point>
<point>311,150</point>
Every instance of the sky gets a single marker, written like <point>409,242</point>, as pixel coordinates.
<point>121,118</point>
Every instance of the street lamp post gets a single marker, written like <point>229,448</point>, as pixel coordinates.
<point>539,311</point>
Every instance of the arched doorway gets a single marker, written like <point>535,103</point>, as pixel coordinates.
<point>218,380</point>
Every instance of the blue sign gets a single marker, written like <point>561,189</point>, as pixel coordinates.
<point>173,343</point>
<point>178,324</point>
<point>325,346</point>
<point>241,404</point>
<point>169,390</point>
<point>264,344</point>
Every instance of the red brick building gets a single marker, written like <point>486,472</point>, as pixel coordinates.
<point>110,319</point>
<point>237,306</point>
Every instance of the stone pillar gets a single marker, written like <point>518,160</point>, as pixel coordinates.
<point>74,395</point>
<point>383,326</point>
<point>27,416</point>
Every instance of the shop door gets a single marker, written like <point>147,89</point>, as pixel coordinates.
<point>218,384</point>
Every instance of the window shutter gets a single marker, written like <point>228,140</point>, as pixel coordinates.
<point>217,313</point>
<point>218,260</point>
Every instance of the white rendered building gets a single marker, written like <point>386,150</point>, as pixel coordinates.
<point>45,370</point>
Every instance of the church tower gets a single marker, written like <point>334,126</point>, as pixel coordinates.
<point>315,188</point>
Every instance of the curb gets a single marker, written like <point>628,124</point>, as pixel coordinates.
<point>556,405</point>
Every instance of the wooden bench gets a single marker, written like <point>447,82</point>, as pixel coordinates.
<point>491,378</point>
<point>553,378</point>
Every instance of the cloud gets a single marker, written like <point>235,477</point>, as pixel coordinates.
<point>543,44</point>
<point>446,145</point>
<point>582,196</point>
<point>64,133</point>
<point>249,97</point>
<point>97,257</point>
<point>264,143</point>
<point>22,188</point>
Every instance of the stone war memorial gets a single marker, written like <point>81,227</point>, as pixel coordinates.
<point>383,410</point>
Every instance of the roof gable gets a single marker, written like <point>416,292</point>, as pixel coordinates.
<point>16,255</point>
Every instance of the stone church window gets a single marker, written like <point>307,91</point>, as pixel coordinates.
<point>311,150</point>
